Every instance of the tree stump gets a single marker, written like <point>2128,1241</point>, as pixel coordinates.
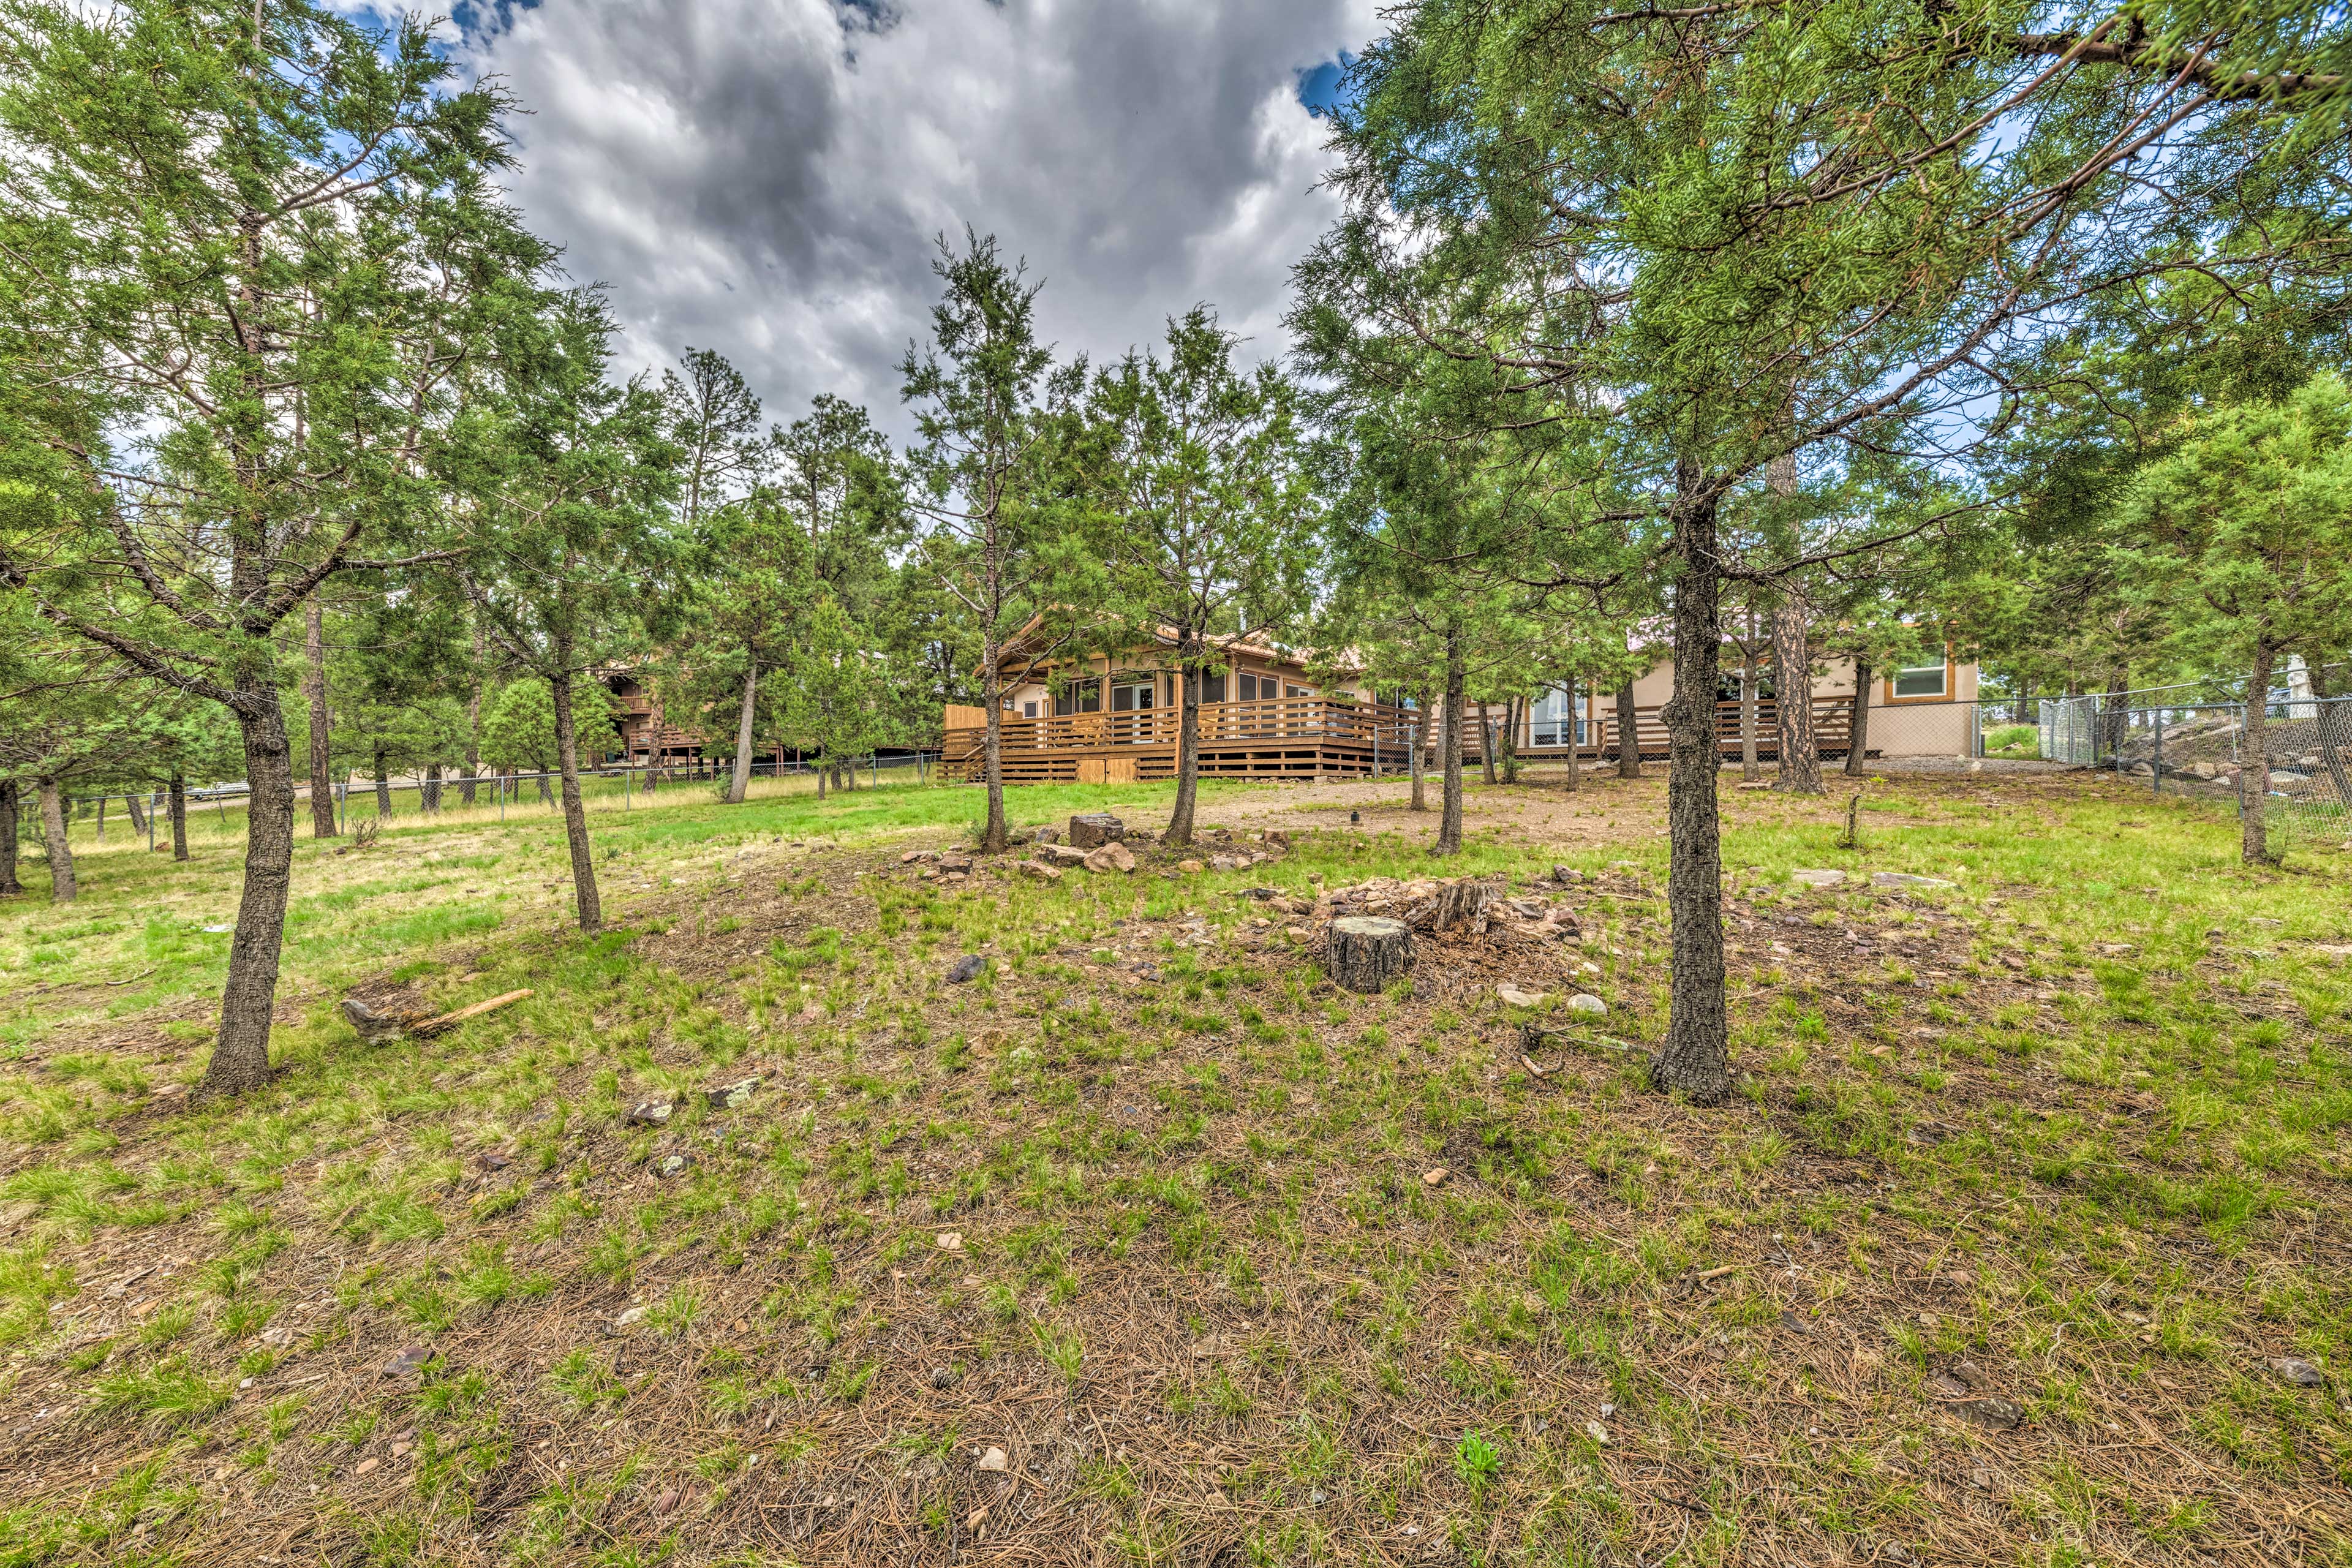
<point>1367,952</point>
<point>1092,830</point>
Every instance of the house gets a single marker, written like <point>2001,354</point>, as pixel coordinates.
<point>647,738</point>
<point>1924,710</point>
<point>1113,718</point>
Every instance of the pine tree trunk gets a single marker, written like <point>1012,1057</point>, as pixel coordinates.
<point>428,793</point>
<point>820,781</point>
<point>995,834</point>
<point>1629,734</point>
<point>1449,821</point>
<point>2254,772</point>
<point>62,889</point>
<point>1696,1057</point>
<point>177,794</point>
<point>1486,743</point>
<point>740,783</point>
<point>314,688</point>
<point>1188,744</point>
<point>138,817</point>
<point>1798,771</point>
<point>575,816</point>
<point>101,819</point>
<point>1418,762</point>
<point>1513,710</point>
<point>9,810</point>
<point>1857,746</point>
<point>1749,770</point>
<point>1575,768</point>
<point>382,787</point>
<point>241,1052</point>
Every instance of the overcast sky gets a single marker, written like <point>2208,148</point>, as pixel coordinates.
<point>765,177</point>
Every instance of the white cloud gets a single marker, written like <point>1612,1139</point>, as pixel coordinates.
<point>764,177</point>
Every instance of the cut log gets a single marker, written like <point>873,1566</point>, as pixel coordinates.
<point>380,1028</point>
<point>1367,952</point>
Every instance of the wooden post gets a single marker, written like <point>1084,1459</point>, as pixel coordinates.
<point>1367,952</point>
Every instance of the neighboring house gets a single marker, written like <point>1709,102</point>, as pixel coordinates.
<point>646,737</point>
<point>1924,710</point>
<point>1113,718</point>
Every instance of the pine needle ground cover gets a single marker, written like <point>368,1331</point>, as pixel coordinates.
<point>2023,1242</point>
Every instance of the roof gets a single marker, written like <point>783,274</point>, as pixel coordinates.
<point>1024,644</point>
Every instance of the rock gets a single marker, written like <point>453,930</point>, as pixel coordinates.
<point>1110,858</point>
<point>1905,879</point>
<point>1061,855</point>
<point>950,1240</point>
<point>376,1028</point>
<point>1515,998</point>
<point>919,857</point>
<point>652,1112</point>
<point>1038,871</point>
<point>2203,770</point>
<point>366,1465</point>
<point>995,1459</point>
<point>1366,952</point>
<point>1809,877</point>
<point>1044,835</point>
<point>1277,838</point>
<point>631,1317</point>
<point>1565,874</point>
<point>1992,1415</point>
<point>1192,866</point>
<point>732,1096</point>
<point>277,1336</point>
<point>1226,862</point>
<point>971,966</point>
<point>666,1502</point>
<point>1295,933</point>
<point>1434,1178</point>
<point>1092,830</point>
<point>407,1358</point>
<point>1597,1432</point>
<point>673,1165</point>
<point>2300,1372</point>
<point>1589,1004</point>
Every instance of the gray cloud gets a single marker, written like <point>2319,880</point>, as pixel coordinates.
<point>764,177</point>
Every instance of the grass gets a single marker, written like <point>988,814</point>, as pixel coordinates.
<point>1144,1206</point>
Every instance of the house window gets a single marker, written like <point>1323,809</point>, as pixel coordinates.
<point>1726,680</point>
<point>1249,687</point>
<point>1132,694</point>
<point>1213,689</point>
<point>1920,680</point>
<point>1551,719</point>
<point>1029,709</point>
<point>1081,697</point>
<point>1299,691</point>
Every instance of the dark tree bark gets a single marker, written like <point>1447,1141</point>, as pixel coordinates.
<point>1486,743</point>
<point>1364,952</point>
<point>1629,734</point>
<point>1513,710</point>
<point>62,889</point>
<point>1696,1060</point>
<point>474,724</point>
<point>177,794</point>
<point>382,787</point>
<point>138,816</point>
<point>1449,822</point>
<point>101,819</point>
<point>995,835</point>
<point>575,816</point>
<point>1749,772</point>
<point>1798,771</point>
<point>2255,773</point>
<point>1857,748</point>
<point>241,1052</point>
<point>739,783</point>
<point>428,793</point>
<point>2113,715</point>
<point>1188,743</point>
<point>10,808</point>
<point>314,688</point>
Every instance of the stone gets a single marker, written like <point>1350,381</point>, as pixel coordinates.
<point>1038,871</point>
<point>919,857</point>
<point>1515,998</point>
<point>2203,770</point>
<point>1226,862</point>
<point>1590,1005</point>
<point>1905,879</point>
<point>407,1358</point>
<point>1192,865</point>
<point>1277,838</point>
<point>631,1317</point>
<point>1992,1415</point>
<point>994,1459</point>
<point>1093,829</point>
<point>971,966</point>
<point>673,1165</point>
<point>733,1096</point>
<point>2300,1372</point>
<point>1434,1178</point>
<point>652,1112</point>
<point>1815,877</point>
<point>1110,858</point>
<point>1565,874</point>
<point>1060,855</point>
<point>1044,835</point>
<point>1366,952</point>
<point>950,1240</point>
<point>366,1465</point>
<point>376,1028</point>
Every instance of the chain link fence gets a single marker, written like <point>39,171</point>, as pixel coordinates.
<point>2181,740</point>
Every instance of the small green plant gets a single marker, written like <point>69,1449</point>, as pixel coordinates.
<point>1477,1460</point>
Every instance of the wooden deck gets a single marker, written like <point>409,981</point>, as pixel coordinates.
<point>1307,737</point>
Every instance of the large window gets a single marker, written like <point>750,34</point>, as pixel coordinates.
<point>1551,721</point>
<point>1921,680</point>
<point>1080,697</point>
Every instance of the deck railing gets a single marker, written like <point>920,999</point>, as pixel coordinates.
<point>1331,719</point>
